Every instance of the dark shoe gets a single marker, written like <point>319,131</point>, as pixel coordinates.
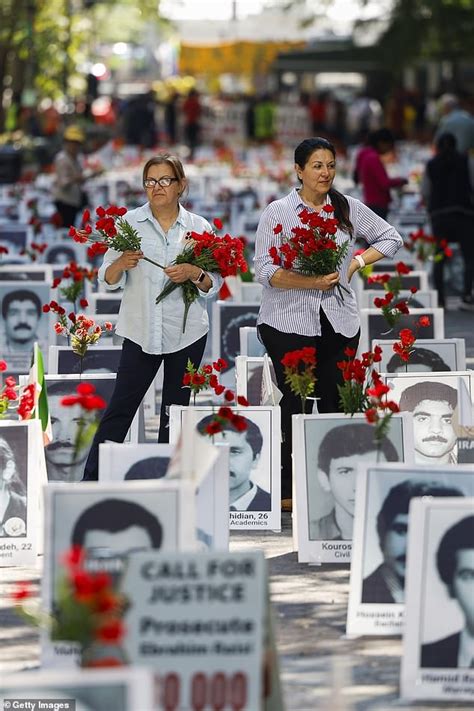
<point>287,505</point>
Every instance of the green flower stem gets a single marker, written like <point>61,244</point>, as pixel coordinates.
<point>147,259</point>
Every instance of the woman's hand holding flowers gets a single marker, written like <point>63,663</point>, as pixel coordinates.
<point>179,273</point>
<point>325,282</point>
<point>129,259</point>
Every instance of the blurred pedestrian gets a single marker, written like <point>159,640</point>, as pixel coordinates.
<point>370,172</point>
<point>457,122</point>
<point>448,194</point>
<point>192,115</point>
<point>68,194</point>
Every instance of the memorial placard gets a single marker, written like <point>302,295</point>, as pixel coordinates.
<point>326,452</point>
<point>381,536</point>
<point>439,625</point>
<point>427,354</point>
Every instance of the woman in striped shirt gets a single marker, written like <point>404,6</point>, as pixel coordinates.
<point>298,310</point>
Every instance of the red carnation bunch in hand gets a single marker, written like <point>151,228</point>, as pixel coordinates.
<point>211,253</point>
<point>299,366</point>
<point>203,378</point>
<point>110,231</point>
<point>87,609</point>
<point>404,347</point>
<point>312,249</point>
<point>427,248</point>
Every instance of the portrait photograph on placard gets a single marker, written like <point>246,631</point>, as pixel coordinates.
<point>89,690</point>
<point>433,401</point>
<point>378,568</point>
<point>101,304</point>
<point>437,658</point>
<point>417,279</point>
<point>20,447</point>
<point>373,325</point>
<point>23,322</point>
<point>249,342</point>
<point>428,354</point>
<point>227,319</point>
<point>98,359</point>
<point>14,237</point>
<point>422,299</point>
<point>63,463</point>
<point>327,450</point>
<point>109,522</point>
<point>254,463</point>
<point>64,252</point>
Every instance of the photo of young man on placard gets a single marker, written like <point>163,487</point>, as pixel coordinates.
<point>23,323</point>
<point>337,454</point>
<point>386,584</point>
<point>455,568</point>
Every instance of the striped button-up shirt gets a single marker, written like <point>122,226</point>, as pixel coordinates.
<point>297,310</point>
<point>157,328</point>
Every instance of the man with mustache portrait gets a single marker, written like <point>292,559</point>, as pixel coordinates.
<point>21,311</point>
<point>386,584</point>
<point>432,405</point>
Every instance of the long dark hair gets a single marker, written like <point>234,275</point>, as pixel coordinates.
<point>303,152</point>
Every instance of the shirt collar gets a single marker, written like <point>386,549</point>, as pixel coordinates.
<point>297,203</point>
<point>242,503</point>
<point>144,213</point>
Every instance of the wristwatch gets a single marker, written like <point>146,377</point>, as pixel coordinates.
<point>200,278</point>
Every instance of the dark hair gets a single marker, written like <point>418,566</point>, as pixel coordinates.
<point>149,468</point>
<point>350,439</point>
<point>398,500</point>
<point>114,515</point>
<point>446,143</point>
<point>6,455</point>
<point>60,249</point>
<point>419,356</point>
<point>21,295</point>
<point>64,386</point>
<point>458,537</point>
<point>252,433</point>
<point>381,135</point>
<point>427,390</point>
<point>303,152</point>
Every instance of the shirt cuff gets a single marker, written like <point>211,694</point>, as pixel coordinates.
<point>101,278</point>
<point>217,282</point>
<point>266,273</point>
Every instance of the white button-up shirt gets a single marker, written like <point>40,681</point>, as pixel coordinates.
<point>297,310</point>
<point>157,328</point>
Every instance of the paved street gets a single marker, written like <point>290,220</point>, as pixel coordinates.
<point>310,611</point>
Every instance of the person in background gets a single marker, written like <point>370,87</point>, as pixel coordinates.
<point>153,332</point>
<point>67,191</point>
<point>192,114</point>
<point>448,194</point>
<point>456,121</point>
<point>299,310</point>
<point>371,174</point>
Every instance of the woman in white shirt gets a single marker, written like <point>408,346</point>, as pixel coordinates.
<point>153,332</point>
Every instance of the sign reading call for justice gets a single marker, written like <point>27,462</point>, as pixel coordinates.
<point>199,620</point>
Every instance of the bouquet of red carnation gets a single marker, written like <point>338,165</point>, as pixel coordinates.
<point>78,275</point>
<point>87,610</point>
<point>299,372</point>
<point>110,231</point>
<point>312,250</point>
<point>211,253</point>
<point>391,306</point>
<point>356,373</point>
<point>380,409</point>
<point>403,347</point>
<point>197,379</point>
<point>426,247</point>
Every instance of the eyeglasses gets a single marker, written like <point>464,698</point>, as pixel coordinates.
<point>162,182</point>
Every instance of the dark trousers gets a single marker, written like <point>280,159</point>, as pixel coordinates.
<point>454,227</point>
<point>329,350</point>
<point>135,374</point>
<point>68,213</point>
